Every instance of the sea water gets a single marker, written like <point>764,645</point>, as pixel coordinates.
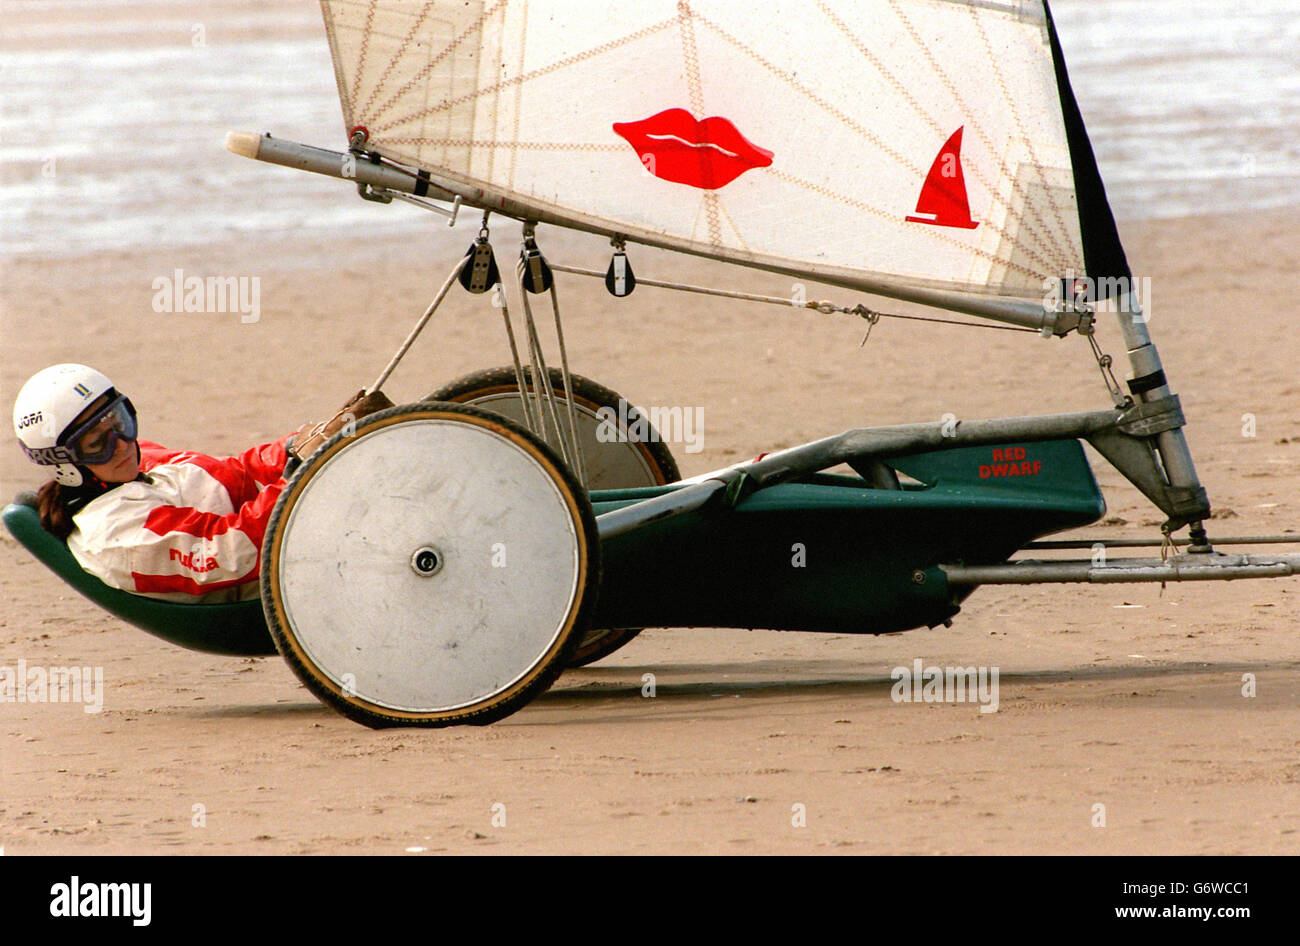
<point>113,114</point>
<point>1193,106</point>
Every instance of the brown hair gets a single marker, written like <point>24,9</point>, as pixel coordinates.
<point>53,507</point>
<point>57,504</point>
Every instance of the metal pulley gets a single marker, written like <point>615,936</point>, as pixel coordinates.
<point>619,279</point>
<point>480,271</point>
<point>537,277</point>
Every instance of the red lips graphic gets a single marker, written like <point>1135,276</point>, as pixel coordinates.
<point>707,154</point>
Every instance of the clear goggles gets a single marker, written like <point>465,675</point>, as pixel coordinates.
<point>96,440</point>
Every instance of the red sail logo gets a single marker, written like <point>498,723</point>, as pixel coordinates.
<point>708,154</point>
<point>943,197</point>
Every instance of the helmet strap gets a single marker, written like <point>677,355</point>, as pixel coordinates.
<point>69,474</point>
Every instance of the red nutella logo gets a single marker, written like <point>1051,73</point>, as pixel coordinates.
<point>193,563</point>
<point>1013,464</point>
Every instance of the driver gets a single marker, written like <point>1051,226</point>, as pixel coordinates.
<point>170,524</point>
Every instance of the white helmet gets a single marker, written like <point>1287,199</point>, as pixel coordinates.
<point>48,404</point>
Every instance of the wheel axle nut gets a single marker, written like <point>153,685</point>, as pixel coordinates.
<point>425,561</point>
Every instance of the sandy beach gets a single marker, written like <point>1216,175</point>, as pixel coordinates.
<point>1126,697</point>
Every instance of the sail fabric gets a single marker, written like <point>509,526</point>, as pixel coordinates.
<point>916,143</point>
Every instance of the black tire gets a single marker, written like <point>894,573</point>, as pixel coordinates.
<point>492,382</point>
<point>537,678</point>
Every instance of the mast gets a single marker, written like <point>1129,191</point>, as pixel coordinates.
<point>1108,268</point>
<point>1150,386</point>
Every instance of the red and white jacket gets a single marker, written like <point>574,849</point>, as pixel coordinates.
<point>191,531</point>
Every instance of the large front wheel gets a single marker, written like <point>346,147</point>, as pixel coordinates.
<point>434,567</point>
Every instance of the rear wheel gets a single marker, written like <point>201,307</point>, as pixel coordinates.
<point>619,462</point>
<point>435,567</point>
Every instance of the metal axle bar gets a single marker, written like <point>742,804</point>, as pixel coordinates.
<point>1188,567</point>
<point>1120,543</point>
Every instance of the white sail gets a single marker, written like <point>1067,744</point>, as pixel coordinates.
<point>904,143</point>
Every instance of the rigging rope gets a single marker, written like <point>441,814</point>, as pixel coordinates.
<point>542,389</point>
<point>871,315</point>
<point>576,444</point>
<point>419,327</point>
<point>530,419</point>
